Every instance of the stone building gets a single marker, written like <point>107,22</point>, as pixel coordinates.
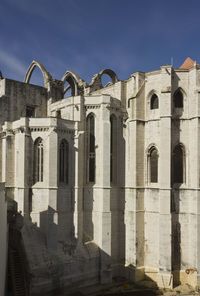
<point>106,177</point>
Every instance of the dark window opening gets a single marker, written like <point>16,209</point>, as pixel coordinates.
<point>38,160</point>
<point>153,165</point>
<point>64,162</point>
<point>113,147</point>
<point>30,111</point>
<point>178,164</point>
<point>154,102</point>
<point>91,148</point>
<point>178,99</point>
<point>58,114</point>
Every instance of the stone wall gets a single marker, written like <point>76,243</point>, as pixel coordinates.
<point>3,239</point>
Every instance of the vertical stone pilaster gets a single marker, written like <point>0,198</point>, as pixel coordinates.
<point>79,174</point>
<point>103,183</point>
<point>51,154</point>
<point>165,228</point>
<point>23,167</point>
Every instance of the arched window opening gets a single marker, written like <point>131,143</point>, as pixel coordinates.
<point>38,160</point>
<point>153,165</point>
<point>64,162</point>
<point>113,148</point>
<point>91,155</point>
<point>154,104</point>
<point>178,164</point>
<point>178,99</point>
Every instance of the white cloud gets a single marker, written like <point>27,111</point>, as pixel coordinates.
<point>12,63</point>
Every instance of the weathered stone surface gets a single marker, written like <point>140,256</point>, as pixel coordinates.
<point>119,200</point>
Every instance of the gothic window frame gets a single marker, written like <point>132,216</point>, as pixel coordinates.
<point>177,100</point>
<point>64,162</point>
<point>178,165</point>
<point>113,149</point>
<point>38,160</point>
<point>152,178</point>
<point>91,148</point>
<point>154,102</point>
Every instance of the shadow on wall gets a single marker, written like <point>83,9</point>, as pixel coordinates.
<point>177,178</point>
<point>65,271</point>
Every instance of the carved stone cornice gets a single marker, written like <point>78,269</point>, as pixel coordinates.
<point>97,106</point>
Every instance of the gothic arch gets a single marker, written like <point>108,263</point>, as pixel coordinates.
<point>46,75</point>
<point>110,73</point>
<point>38,160</point>
<point>178,97</point>
<point>96,82</point>
<point>152,163</point>
<point>179,163</point>
<point>91,148</point>
<point>73,80</point>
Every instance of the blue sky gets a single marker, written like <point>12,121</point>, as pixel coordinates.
<point>89,35</point>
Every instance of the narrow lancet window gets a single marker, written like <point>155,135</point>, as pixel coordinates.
<point>178,164</point>
<point>38,160</point>
<point>154,104</point>
<point>113,147</point>
<point>178,99</point>
<point>64,162</point>
<point>153,165</point>
<point>91,148</point>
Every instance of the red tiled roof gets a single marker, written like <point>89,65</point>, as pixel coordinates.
<point>187,64</point>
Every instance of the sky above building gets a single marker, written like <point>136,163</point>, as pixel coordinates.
<point>88,35</point>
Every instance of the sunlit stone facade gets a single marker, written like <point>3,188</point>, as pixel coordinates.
<point>108,177</point>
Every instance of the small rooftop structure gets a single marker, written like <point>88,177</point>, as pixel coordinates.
<point>188,64</point>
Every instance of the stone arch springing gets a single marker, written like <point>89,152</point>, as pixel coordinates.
<point>152,161</point>
<point>179,164</point>
<point>46,75</point>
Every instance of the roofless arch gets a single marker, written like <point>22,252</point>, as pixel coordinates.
<point>110,73</point>
<point>46,75</point>
<point>97,81</point>
<point>73,80</point>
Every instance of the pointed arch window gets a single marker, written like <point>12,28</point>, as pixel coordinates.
<point>178,99</point>
<point>154,104</point>
<point>91,154</point>
<point>178,164</point>
<point>153,165</point>
<point>38,160</point>
<point>64,162</point>
<point>113,147</point>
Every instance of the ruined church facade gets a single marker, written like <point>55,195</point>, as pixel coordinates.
<point>107,179</point>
